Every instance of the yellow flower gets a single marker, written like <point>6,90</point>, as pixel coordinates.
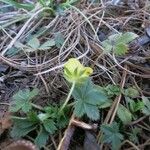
<point>74,71</point>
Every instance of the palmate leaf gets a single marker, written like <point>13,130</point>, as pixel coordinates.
<point>42,137</point>
<point>112,135</point>
<point>88,97</point>
<point>22,99</point>
<point>22,127</point>
<point>117,43</point>
<point>49,126</point>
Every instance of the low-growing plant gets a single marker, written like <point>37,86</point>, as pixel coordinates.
<point>30,117</point>
<point>118,43</point>
<point>112,135</point>
<point>86,100</point>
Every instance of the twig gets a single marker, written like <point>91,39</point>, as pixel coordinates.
<point>137,121</point>
<point>65,141</point>
<point>133,145</point>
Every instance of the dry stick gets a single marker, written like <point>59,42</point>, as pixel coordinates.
<point>65,141</point>
<point>133,145</point>
<point>138,120</point>
<point>119,97</point>
<point>142,145</point>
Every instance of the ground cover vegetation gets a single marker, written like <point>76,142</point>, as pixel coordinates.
<point>75,74</point>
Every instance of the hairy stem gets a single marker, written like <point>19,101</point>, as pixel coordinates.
<point>69,95</point>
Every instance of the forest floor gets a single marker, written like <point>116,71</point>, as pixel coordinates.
<point>108,110</point>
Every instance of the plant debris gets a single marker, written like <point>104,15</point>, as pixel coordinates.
<point>75,74</point>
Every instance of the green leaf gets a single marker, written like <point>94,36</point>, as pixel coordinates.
<point>47,45</point>
<point>146,109</point>
<point>42,137</point>
<point>26,107</point>
<point>107,46</point>
<point>134,135</point>
<point>18,5</point>
<point>88,97</point>
<point>112,90</point>
<point>112,135</point>
<point>118,43</point>
<point>106,104</point>
<point>34,43</point>
<point>134,105</point>
<point>33,117</point>
<point>131,92</point>
<point>120,49</point>
<point>43,116</point>
<point>22,100</point>
<point>59,39</point>
<point>21,127</point>
<point>92,111</point>
<point>49,126</point>
<point>26,94</point>
<point>127,37</point>
<point>124,114</point>
<point>79,108</point>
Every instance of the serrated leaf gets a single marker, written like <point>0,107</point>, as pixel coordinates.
<point>49,126</point>
<point>34,43</point>
<point>146,109</point>
<point>112,135</point>
<point>88,97</point>
<point>79,108</point>
<point>112,90</point>
<point>42,137</point>
<point>135,134</point>
<point>124,114</point>
<point>26,94</point>
<point>107,46</point>
<point>92,111</point>
<point>48,44</point>
<point>22,127</point>
<point>131,92</point>
<point>127,37</point>
<point>21,100</point>
<point>120,49</point>
<point>134,105</point>
<point>118,43</point>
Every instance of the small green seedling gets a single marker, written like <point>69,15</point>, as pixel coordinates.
<point>118,43</point>
<point>112,135</point>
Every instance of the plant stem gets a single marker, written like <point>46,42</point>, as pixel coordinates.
<point>68,97</point>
